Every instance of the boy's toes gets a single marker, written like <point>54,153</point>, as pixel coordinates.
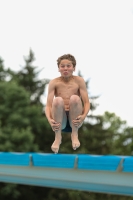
<point>75,146</point>
<point>55,150</point>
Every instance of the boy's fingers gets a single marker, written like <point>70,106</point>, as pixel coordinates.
<point>78,117</point>
<point>56,123</point>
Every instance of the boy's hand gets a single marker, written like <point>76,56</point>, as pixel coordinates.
<point>55,125</point>
<point>78,121</point>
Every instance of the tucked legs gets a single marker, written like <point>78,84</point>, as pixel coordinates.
<point>59,116</point>
<point>74,111</point>
<point>60,120</point>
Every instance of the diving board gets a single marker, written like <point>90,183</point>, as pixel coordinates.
<point>94,173</point>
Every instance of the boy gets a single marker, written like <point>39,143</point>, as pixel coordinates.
<point>66,112</point>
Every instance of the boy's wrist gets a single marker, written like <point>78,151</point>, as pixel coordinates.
<point>49,119</point>
<point>84,116</point>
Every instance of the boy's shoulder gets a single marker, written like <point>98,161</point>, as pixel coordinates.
<point>55,79</point>
<point>78,78</point>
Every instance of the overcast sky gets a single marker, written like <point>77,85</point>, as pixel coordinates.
<point>99,33</point>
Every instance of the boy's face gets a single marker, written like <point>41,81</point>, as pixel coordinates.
<point>66,68</point>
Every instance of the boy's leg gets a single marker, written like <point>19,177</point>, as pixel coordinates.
<point>75,110</point>
<point>59,115</point>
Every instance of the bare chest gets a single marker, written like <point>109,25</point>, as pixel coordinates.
<point>66,90</point>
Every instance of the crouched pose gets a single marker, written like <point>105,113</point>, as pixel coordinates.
<point>67,102</point>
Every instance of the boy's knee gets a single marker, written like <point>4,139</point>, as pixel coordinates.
<point>75,99</point>
<point>58,101</point>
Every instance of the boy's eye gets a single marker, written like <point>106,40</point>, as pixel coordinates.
<point>69,65</point>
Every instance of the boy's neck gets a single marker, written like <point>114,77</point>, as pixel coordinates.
<point>66,79</point>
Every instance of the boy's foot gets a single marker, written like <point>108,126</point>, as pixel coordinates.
<point>55,146</point>
<point>75,141</point>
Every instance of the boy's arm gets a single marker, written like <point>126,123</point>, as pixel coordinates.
<point>84,96</point>
<point>51,92</point>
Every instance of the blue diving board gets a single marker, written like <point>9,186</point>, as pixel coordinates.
<point>96,162</point>
<point>10,158</point>
<point>81,161</point>
<point>51,160</point>
<point>128,164</point>
<point>94,173</point>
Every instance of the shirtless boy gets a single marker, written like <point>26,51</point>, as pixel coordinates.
<point>64,109</point>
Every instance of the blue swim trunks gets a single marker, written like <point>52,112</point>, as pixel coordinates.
<point>68,128</point>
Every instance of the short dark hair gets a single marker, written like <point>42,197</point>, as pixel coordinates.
<point>68,57</point>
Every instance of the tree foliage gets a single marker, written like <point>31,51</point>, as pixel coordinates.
<point>24,128</point>
<point>28,78</point>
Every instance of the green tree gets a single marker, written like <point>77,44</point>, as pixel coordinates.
<point>28,78</point>
<point>123,143</point>
<point>15,127</point>
<point>20,121</point>
<point>3,72</point>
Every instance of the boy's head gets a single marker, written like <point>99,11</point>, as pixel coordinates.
<point>67,57</point>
